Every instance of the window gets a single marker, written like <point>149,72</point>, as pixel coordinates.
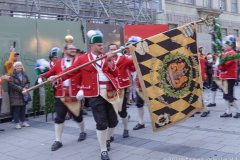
<point>223,5</point>
<point>189,1</point>
<point>234,6</point>
<point>156,5</point>
<point>172,26</point>
<point>207,3</point>
<point>236,32</point>
<point>224,32</point>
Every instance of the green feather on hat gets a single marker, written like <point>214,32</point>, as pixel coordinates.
<point>41,66</point>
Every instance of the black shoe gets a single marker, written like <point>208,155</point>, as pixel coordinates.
<point>139,126</point>
<point>204,114</point>
<point>104,155</point>
<point>56,145</point>
<point>82,136</point>
<point>226,115</point>
<point>2,129</point>
<point>108,145</point>
<point>125,134</point>
<point>198,112</point>
<point>211,105</point>
<point>237,115</point>
<point>192,115</point>
<point>111,139</point>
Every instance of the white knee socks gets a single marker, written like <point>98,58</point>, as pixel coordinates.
<point>59,131</point>
<point>227,107</point>
<point>102,139</point>
<point>140,114</point>
<point>110,133</point>
<point>125,123</point>
<point>214,96</point>
<point>82,126</point>
<point>234,104</point>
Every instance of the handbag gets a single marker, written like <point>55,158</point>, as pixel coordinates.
<point>27,98</point>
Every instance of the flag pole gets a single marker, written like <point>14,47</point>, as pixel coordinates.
<point>109,54</point>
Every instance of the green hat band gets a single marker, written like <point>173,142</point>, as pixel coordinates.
<point>53,54</point>
<point>96,39</point>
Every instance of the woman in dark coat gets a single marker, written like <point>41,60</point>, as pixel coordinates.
<point>18,82</point>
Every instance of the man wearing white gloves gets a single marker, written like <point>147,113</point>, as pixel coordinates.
<point>99,86</point>
<point>65,92</point>
<point>80,95</point>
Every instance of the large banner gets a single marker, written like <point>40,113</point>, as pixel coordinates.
<point>168,68</point>
<point>144,30</point>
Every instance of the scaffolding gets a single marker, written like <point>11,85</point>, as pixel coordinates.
<point>92,11</point>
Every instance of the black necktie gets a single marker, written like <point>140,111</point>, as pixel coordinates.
<point>99,65</point>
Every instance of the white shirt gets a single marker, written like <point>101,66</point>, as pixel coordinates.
<point>102,76</point>
<point>67,62</point>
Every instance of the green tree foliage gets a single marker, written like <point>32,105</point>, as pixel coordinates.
<point>36,101</point>
<point>49,99</point>
<point>216,33</point>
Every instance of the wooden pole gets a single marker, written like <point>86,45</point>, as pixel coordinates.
<point>110,54</point>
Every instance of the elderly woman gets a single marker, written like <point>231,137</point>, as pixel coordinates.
<point>18,82</point>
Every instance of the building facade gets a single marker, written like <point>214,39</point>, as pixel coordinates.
<point>178,12</point>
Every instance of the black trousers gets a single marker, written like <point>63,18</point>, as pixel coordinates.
<point>139,101</point>
<point>61,111</point>
<point>229,96</point>
<point>214,86</point>
<point>103,113</point>
<point>209,80</point>
<point>19,113</point>
<point>123,113</point>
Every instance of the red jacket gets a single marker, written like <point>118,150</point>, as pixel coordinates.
<point>229,69</point>
<point>89,75</point>
<point>138,83</point>
<point>60,91</point>
<point>124,64</point>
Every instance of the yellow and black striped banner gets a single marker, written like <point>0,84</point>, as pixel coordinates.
<point>168,68</point>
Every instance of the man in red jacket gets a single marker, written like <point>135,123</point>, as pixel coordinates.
<point>125,66</point>
<point>99,87</point>
<point>66,89</point>
<point>228,72</point>
<point>139,94</point>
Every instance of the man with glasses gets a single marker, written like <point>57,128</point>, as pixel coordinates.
<point>65,91</point>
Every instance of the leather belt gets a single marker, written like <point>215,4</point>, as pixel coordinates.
<point>104,82</point>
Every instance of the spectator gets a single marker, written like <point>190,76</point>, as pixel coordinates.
<point>18,82</point>
<point>13,57</point>
<point>209,70</point>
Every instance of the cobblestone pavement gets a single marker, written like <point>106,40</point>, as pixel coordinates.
<point>211,137</point>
